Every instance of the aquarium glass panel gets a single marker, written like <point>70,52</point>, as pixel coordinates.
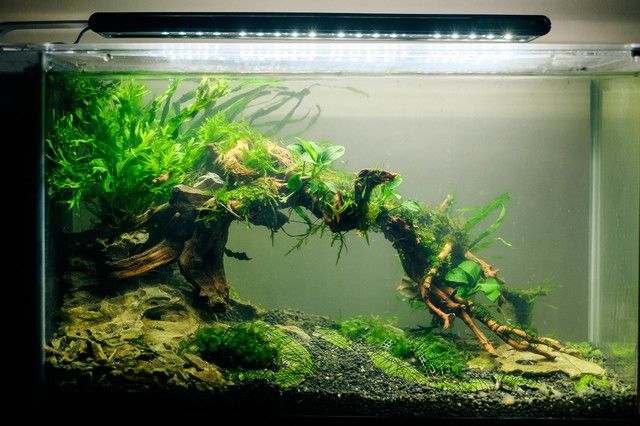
<point>344,229</point>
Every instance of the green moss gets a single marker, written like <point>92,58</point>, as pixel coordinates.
<point>589,380</point>
<point>243,346</point>
<point>334,337</point>
<point>257,201</point>
<point>374,331</point>
<point>253,351</point>
<point>433,353</point>
<point>438,354</point>
<point>295,362</point>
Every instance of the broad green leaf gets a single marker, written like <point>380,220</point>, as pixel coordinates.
<point>472,269</point>
<point>457,275</point>
<point>331,186</point>
<point>294,183</point>
<point>490,287</point>
<point>296,148</point>
<point>464,291</point>
<point>306,157</point>
<point>333,152</point>
<point>310,148</point>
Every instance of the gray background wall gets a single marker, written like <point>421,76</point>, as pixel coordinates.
<point>475,137</point>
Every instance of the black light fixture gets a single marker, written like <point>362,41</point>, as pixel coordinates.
<point>348,26</point>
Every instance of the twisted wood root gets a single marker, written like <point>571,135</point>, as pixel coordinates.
<point>446,297</point>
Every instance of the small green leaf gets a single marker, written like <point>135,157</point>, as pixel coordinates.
<point>303,215</point>
<point>457,275</point>
<point>394,183</point>
<point>294,183</point>
<point>472,269</point>
<point>411,205</point>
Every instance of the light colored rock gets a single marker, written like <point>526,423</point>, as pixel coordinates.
<point>120,246</point>
<point>212,376</point>
<point>197,362</point>
<point>98,353</point>
<point>209,182</point>
<point>296,331</point>
<point>513,361</point>
<point>483,362</point>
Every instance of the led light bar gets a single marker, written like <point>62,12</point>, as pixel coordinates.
<point>351,26</point>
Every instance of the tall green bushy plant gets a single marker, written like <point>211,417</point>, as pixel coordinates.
<point>121,155</point>
<point>117,153</point>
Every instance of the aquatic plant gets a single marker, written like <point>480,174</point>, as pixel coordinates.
<point>374,331</point>
<point>434,354</point>
<point>253,351</point>
<point>438,355</point>
<point>118,153</point>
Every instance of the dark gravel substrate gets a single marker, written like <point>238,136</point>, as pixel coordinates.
<point>345,383</point>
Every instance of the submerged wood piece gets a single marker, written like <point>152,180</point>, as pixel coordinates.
<point>159,255</point>
<point>202,263</point>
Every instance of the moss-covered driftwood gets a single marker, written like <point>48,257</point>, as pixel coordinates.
<point>263,180</point>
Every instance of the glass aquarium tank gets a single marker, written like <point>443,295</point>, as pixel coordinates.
<point>354,229</point>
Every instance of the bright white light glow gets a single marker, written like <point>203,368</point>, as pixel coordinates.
<point>217,33</point>
<point>340,34</point>
<point>260,34</point>
<point>393,35</point>
<point>165,33</point>
<point>312,34</point>
<point>454,35</point>
<point>472,36</point>
<point>294,34</point>
<point>437,35</point>
<point>242,33</point>
<point>358,35</point>
<point>508,36</point>
<point>375,35</point>
<point>182,33</point>
<point>490,36</point>
<point>277,34</point>
<point>199,33</point>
